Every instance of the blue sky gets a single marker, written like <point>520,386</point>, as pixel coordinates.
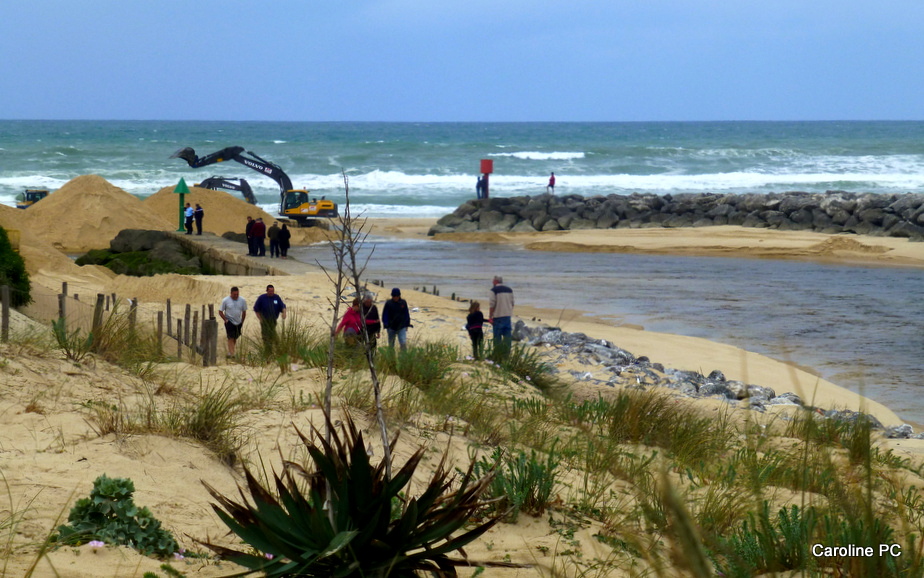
<point>477,60</point>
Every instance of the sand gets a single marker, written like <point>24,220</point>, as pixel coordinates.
<point>50,452</point>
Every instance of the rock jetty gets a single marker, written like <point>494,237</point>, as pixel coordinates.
<point>892,215</point>
<point>609,365</point>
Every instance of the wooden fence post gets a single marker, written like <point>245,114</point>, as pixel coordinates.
<point>5,313</point>
<point>160,333</point>
<point>179,340</point>
<point>186,317</point>
<point>169,319</point>
<point>133,314</point>
<point>62,305</point>
<point>213,345</point>
<point>98,314</point>
<point>195,331</point>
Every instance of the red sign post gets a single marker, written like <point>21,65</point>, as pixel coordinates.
<point>487,167</point>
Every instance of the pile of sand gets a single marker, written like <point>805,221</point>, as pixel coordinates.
<point>86,213</point>
<point>223,211</point>
<point>37,253</point>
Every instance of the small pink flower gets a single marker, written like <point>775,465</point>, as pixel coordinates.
<point>96,544</point>
<point>178,556</point>
<point>269,556</point>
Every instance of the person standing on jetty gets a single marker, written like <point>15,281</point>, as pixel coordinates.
<point>501,310</point>
<point>258,232</point>
<point>474,323</point>
<point>198,214</point>
<point>188,212</point>
<point>233,311</point>
<point>269,307</point>
<point>248,232</point>
<point>284,236</point>
<point>479,188</point>
<point>273,235</point>
<point>550,188</point>
<point>396,318</point>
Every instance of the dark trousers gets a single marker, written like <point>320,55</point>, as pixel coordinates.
<point>274,248</point>
<point>477,336</point>
<point>198,226</point>
<point>259,246</point>
<point>189,222</point>
<point>251,246</point>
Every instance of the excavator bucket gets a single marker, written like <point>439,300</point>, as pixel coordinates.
<point>187,154</point>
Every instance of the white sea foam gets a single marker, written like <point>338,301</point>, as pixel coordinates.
<point>540,156</point>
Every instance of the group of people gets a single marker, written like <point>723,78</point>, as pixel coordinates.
<point>191,215</point>
<point>500,312</point>
<point>268,308</point>
<point>257,233</point>
<point>361,323</point>
<point>481,186</point>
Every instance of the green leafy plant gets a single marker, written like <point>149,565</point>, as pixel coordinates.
<point>110,515</point>
<point>345,517</point>
<point>522,483</point>
<point>13,272</point>
<point>424,367</point>
<point>75,345</point>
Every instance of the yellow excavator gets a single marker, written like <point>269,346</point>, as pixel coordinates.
<point>29,197</point>
<point>295,204</point>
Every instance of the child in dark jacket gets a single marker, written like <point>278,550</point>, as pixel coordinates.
<point>473,324</point>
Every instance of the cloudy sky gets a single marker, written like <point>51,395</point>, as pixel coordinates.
<point>472,60</point>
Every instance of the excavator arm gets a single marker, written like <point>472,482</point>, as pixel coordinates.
<point>239,185</point>
<point>237,154</point>
<point>294,204</point>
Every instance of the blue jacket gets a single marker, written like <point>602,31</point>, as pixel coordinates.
<point>269,307</point>
<point>395,315</point>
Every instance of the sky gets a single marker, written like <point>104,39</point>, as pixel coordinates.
<point>472,60</point>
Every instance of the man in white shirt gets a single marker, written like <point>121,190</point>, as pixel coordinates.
<point>233,310</point>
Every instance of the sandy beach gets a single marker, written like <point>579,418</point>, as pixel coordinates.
<point>49,454</point>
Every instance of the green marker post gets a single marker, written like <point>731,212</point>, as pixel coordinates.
<point>182,190</point>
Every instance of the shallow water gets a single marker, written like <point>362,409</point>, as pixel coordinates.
<point>859,327</point>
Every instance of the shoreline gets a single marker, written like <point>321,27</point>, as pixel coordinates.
<point>716,241</point>
<point>725,241</point>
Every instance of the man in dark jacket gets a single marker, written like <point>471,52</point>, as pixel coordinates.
<point>269,307</point>
<point>396,318</point>
<point>248,230</point>
<point>258,232</point>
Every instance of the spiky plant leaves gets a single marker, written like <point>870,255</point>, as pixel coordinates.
<point>337,518</point>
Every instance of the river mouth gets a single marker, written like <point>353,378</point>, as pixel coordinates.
<point>858,327</point>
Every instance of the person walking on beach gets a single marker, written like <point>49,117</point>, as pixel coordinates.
<point>501,310</point>
<point>474,323</point>
<point>370,314</point>
<point>248,232</point>
<point>269,307</point>
<point>284,236</point>
<point>188,212</point>
<point>258,232</point>
<point>233,311</point>
<point>197,215</point>
<point>396,318</point>
<point>351,323</point>
<point>550,188</point>
<point>273,235</point>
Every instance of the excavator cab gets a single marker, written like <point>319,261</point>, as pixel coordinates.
<point>299,206</point>
<point>30,197</point>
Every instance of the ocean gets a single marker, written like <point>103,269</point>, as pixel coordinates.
<point>858,327</point>
<point>428,169</point>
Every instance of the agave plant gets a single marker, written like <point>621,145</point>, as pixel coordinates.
<point>346,518</point>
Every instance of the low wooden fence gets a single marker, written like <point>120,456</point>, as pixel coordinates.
<point>195,333</point>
